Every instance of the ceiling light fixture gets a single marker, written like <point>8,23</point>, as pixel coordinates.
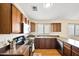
<point>46,5</point>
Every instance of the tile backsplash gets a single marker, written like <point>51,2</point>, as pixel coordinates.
<point>5,37</point>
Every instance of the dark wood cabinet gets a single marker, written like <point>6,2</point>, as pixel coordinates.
<point>36,42</point>
<point>50,43</point>
<point>75,51</point>
<point>67,49</point>
<point>16,20</point>
<point>10,19</point>
<point>32,24</point>
<point>41,43</point>
<point>56,27</point>
<point>45,43</point>
<point>5,18</point>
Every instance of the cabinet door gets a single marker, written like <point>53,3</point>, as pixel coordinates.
<point>37,43</point>
<point>50,43</point>
<point>16,27</point>
<point>32,27</point>
<point>18,16</point>
<point>67,49</point>
<point>14,19</point>
<point>5,18</point>
<point>53,43</point>
<point>75,51</point>
<point>56,27</point>
<point>42,43</point>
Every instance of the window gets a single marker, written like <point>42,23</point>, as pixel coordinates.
<point>73,29</point>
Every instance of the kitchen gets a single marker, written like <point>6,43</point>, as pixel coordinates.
<point>29,29</point>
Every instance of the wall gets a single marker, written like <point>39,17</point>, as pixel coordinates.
<point>5,37</point>
<point>64,25</point>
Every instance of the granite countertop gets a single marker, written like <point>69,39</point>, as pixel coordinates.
<point>47,36</point>
<point>72,41</point>
<point>14,52</point>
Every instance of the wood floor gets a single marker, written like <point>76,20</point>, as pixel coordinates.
<point>46,52</point>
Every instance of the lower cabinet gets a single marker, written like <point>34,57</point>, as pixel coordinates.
<point>23,50</point>
<point>63,48</point>
<point>75,51</point>
<point>50,43</point>
<point>67,49</point>
<point>45,43</point>
<point>26,52</point>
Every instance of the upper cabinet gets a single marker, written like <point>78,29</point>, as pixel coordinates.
<point>56,27</point>
<point>11,19</point>
<point>5,18</point>
<point>32,24</point>
<point>24,19</point>
<point>16,20</point>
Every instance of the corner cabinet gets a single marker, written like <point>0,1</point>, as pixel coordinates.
<point>10,18</point>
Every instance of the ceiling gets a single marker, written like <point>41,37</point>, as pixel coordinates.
<point>55,11</point>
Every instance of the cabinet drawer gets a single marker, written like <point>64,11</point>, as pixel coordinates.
<point>67,45</point>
